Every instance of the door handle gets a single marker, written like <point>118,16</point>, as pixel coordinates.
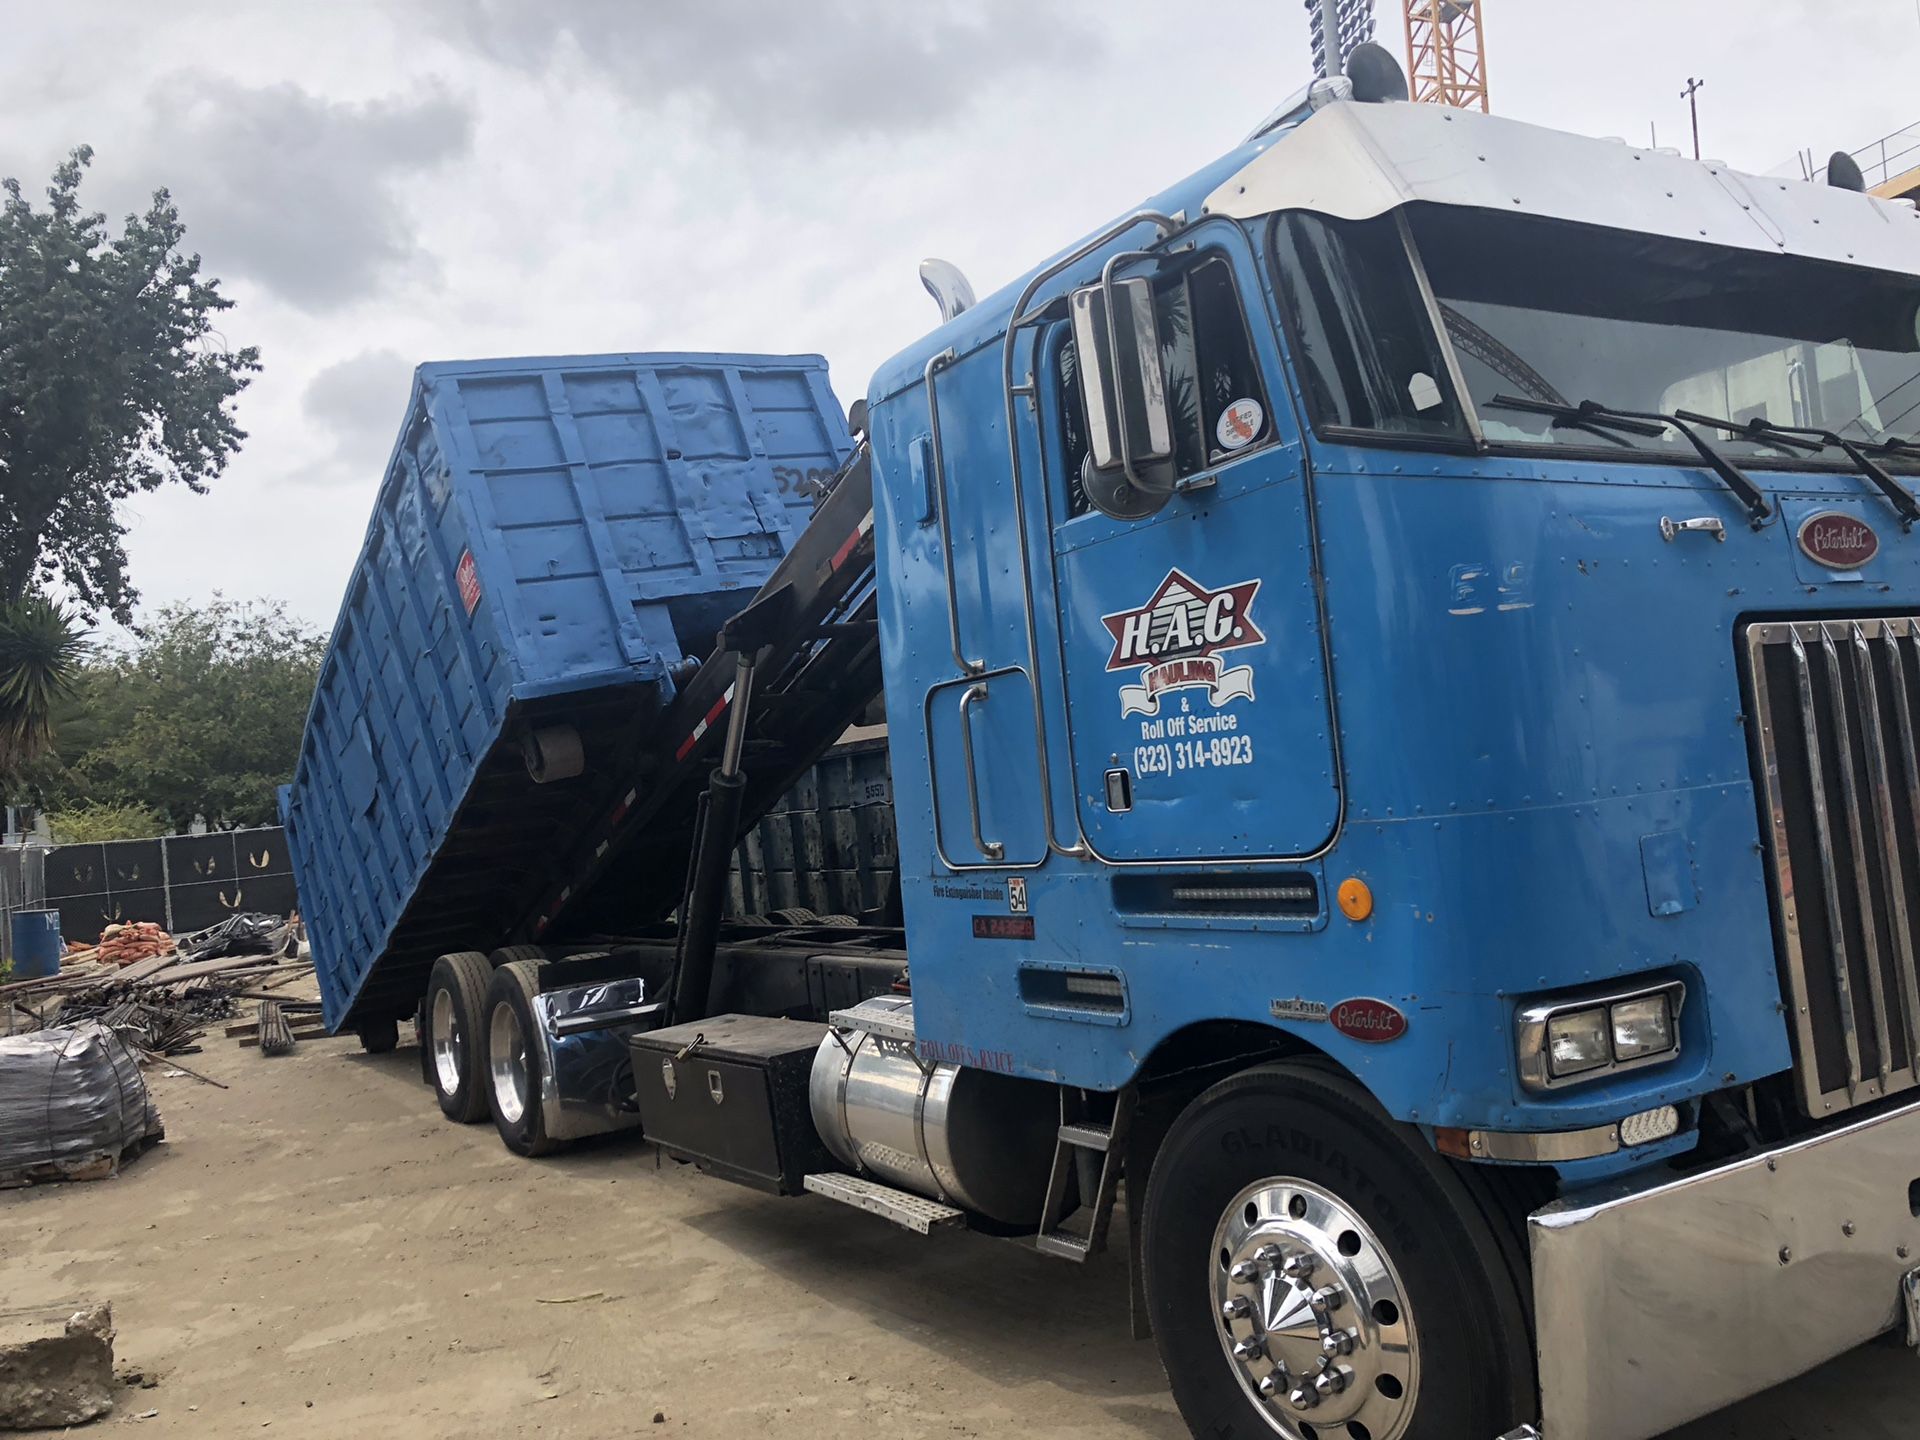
<point>992,849</point>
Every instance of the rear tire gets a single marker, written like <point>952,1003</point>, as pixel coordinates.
<point>507,954</point>
<point>1292,1175</point>
<point>456,1034</point>
<point>378,1037</point>
<point>516,1061</point>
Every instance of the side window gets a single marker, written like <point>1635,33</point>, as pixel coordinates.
<point>1367,355</point>
<point>1214,387</point>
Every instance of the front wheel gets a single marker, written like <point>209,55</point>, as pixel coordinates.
<point>1313,1272</point>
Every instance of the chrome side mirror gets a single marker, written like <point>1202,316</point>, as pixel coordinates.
<point>1129,427</point>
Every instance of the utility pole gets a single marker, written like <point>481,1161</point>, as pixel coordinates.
<point>1693,104</point>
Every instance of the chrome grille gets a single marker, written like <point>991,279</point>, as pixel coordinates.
<point>1837,702</point>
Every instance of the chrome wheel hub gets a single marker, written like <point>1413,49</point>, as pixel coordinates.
<point>449,1044</point>
<point>507,1059</point>
<point>1313,1316</point>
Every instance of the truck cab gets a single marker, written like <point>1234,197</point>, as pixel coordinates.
<point>1405,649</point>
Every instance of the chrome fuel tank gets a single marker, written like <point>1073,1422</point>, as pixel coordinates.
<point>975,1139</point>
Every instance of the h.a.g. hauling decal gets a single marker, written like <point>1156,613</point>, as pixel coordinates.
<point>1176,640</point>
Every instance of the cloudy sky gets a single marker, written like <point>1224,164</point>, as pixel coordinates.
<point>379,184</point>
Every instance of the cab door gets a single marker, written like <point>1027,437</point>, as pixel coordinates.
<point>1196,678</point>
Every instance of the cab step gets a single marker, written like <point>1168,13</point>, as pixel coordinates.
<point>902,1207</point>
<point>1087,1155</point>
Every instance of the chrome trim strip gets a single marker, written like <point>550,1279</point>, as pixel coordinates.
<point>1910,768</point>
<point>1892,877</point>
<point>1823,829</point>
<point>1545,1147</point>
<point>1856,836</point>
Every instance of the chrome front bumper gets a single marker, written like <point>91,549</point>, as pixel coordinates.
<point>1665,1301</point>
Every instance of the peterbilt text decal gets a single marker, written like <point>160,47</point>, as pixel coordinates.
<point>1838,541</point>
<point>1176,639</point>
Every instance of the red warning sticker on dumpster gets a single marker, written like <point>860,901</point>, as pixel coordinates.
<point>468,577</point>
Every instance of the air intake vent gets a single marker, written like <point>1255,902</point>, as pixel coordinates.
<point>1291,894</point>
<point>1837,703</point>
<point>1059,987</point>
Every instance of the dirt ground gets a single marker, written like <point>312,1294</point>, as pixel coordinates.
<point>315,1252</point>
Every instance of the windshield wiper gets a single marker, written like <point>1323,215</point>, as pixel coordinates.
<point>1813,438</point>
<point>1589,413</point>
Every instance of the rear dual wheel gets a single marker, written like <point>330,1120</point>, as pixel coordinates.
<point>455,1010</point>
<point>1314,1273</point>
<point>515,1061</point>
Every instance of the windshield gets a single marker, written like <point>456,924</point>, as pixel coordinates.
<point>1560,314</point>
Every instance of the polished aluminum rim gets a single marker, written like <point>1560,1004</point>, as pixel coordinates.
<point>507,1060</point>
<point>1312,1315</point>
<point>449,1043</point>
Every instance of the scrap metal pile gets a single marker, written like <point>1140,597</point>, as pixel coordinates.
<point>163,999</point>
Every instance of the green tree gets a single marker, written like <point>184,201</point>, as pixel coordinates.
<point>91,823</point>
<point>114,380</point>
<point>201,716</point>
<point>40,653</point>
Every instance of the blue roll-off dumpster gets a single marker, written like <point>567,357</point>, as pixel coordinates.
<point>552,541</point>
<point>36,944</point>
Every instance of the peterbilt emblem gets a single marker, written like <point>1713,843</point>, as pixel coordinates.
<point>1838,541</point>
<point>1176,639</point>
<point>1373,1021</point>
<point>668,1078</point>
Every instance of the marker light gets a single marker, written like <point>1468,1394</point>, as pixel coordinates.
<point>1356,900</point>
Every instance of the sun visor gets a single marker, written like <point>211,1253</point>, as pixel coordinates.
<point>1353,162</point>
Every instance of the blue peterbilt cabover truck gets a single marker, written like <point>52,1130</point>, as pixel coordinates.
<point>1402,658</point>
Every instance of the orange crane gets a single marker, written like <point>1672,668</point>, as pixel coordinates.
<point>1446,53</point>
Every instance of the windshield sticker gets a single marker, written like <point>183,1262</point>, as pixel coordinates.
<point>1239,424</point>
<point>1176,640</point>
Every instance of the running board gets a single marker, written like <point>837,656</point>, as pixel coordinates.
<point>908,1211</point>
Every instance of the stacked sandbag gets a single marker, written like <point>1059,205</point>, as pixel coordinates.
<point>73,1105</point>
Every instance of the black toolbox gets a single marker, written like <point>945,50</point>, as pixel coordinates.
<point>729,1093</point>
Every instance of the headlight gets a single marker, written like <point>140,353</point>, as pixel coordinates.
<point>1643,1027</point>
<point>1578,1042</point>
<point>1585,1037</point>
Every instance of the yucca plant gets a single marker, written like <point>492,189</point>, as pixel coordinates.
<point>41,647</point>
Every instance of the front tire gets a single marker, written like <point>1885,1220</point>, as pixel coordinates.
<point>516,1061</point>
<point>456,1035</point>
<point>1314,1272</point>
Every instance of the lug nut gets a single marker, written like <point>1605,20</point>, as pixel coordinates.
<point>1327,1299</point>
<point>1333,1381</point>
<point>1252,1348</point>
<point>1244,1273</point>
<point>1340,1342</point>
<point>1238,1308</point>
<point>1273,1383</point>
<point>1300,1266</point>
<point>1302,1398</point>
<point>1269,1257</point>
